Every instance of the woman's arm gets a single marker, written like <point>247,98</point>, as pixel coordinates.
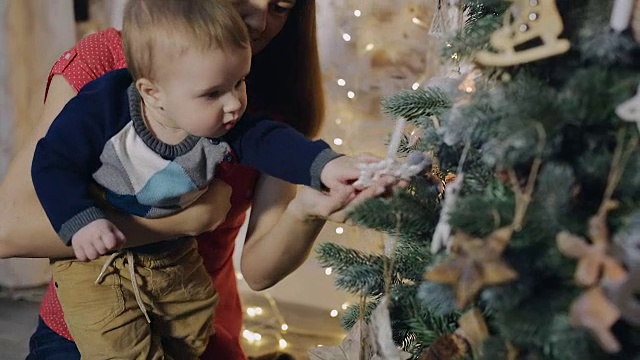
<point>25,230</point>
<point>276,243</point>
<point>282,231</point>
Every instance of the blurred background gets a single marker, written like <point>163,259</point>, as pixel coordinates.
<point>369,49</point>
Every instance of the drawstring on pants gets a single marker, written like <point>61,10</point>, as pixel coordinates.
<point>132,273</point>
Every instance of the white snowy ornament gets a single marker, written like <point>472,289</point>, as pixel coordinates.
<point>442,235</point>
<point>448,18</point>
<point>621,15</point>
<point>630,109</point>
<point>371,172</point>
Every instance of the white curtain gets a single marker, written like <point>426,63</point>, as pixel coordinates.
<point>33,34</point>
<point>108,12</point>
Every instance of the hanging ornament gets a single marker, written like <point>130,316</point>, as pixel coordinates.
<point>526,20</point>
<point>474,264</point>
<point>442,235</point>
<point>470,334</point>
<point>370,340</point>
<point>630,109</point>
<point>416,162</point>
<point>594,262</point>
<point>455,15</point>
<point>438,27</point>
<point>621,15</point>
<point>596,268</point>
<point>448,18</point>
<point>415,136</point>
<point>635,21</point>
<point>592,310</point>
<point>623,295</point>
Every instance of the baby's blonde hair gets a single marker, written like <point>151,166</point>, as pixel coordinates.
<point>156,29</point>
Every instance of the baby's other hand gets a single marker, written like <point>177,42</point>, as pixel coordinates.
<point>95,239</point>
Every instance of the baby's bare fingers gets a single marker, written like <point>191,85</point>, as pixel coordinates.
<point>109,241</point>
<point>80,255</point>
<point>90,252</point>
<point>367,158</point>
<point>120,238</point>
<point>99,245</point>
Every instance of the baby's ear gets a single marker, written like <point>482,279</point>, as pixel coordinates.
<point>150,93</point>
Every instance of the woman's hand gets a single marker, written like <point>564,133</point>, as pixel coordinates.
<point>280,236</point>
<point>210,210</point>
<point>205,214</point>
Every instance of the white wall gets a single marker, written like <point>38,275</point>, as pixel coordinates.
<point>33,34</point>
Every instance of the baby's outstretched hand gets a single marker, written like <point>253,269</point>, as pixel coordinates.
<point>339,173</point>
<point>95,239</point>
<point>345,170</point>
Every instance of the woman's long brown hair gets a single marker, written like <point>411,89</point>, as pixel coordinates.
<point>285,78</point>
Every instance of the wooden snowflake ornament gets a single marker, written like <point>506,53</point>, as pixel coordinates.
<point>474,263</point>
<point>594,261</point>
<point>595,312</point>
<point>625,295</point>
<point>525,21</point>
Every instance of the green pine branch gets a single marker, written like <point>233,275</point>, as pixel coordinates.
<point>415,104</point>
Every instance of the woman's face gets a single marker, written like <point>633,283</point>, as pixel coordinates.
<point>264,18</point>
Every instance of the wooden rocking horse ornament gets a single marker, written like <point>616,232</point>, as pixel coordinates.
<point>525,21</point>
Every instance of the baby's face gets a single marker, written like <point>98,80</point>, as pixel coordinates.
<point>204,92</point>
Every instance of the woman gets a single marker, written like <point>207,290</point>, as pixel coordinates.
<point>285,82</point>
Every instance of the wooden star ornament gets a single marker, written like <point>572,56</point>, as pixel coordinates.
<point>474,263</point>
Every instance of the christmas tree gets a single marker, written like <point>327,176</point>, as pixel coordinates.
<point>521,239</point>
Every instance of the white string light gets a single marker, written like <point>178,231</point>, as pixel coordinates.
<point>328,271</point>
<point>419,22</point>
<point>351,94</point>
<point>357,13</point>
<point>337,141</point>
<point>253,311</point>
<point>333,313</point>
<point>346,37</point>
<point>341,82</point>
<point>251,337</point>
<point>339,230</point>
